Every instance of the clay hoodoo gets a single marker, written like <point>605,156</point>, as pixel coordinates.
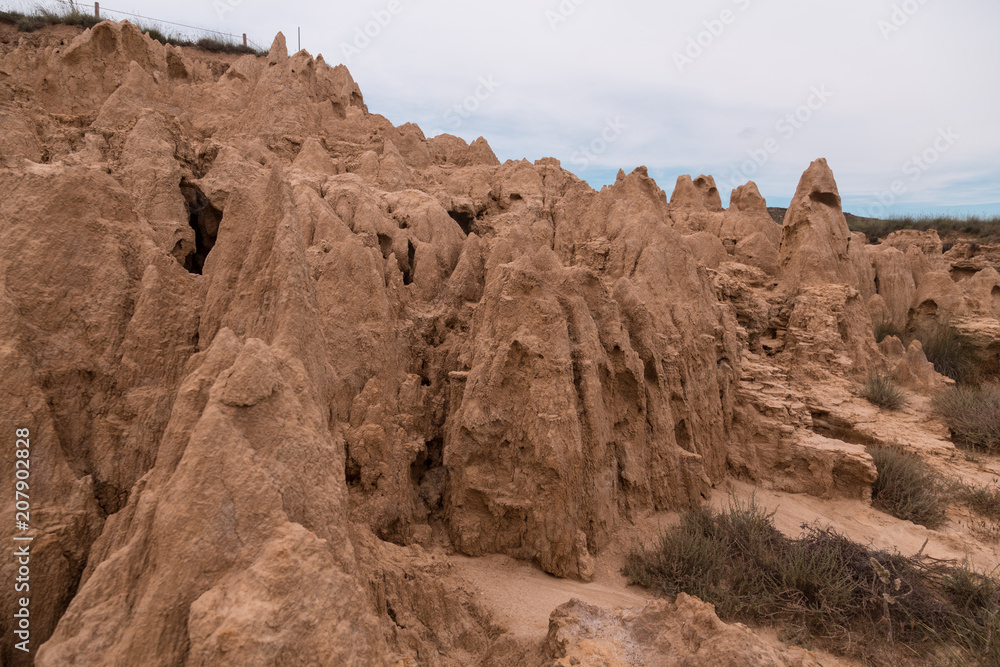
<point>282,359</point>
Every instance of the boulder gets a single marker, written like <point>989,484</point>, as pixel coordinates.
<point>686,633</point>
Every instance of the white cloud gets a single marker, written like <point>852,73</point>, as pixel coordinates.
<point>608,59</point>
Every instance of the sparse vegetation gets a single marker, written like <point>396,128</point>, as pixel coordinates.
<point>985,229</point>
<point>885,326</point>
<point>873,605</point>
<point>973,415</point>
<point>951,353</point>
<point>881,389</point>
<point>43,17</point>
<point>984,501</point>
<point>906,488</point>
<point>206,43</point>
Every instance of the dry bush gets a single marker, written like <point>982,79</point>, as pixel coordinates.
<point>973,415</point>
<point>951,353</point>
<point>881,389</point>
<point>906,488</point>
<point>879,607</point>
<point>885,327</point>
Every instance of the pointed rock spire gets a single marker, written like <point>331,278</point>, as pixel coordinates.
<point>278,52</point>
<point>815,237</point>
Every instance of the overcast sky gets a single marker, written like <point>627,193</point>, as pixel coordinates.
<point>901,96</point>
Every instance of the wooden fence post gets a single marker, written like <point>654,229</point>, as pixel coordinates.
<point>97,10</point>
<point>244,39</point>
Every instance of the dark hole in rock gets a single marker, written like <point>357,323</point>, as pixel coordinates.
<point>392,613</point>
<point>352,472</point>
<point>204,220</point>
<point>650,374</point>
<point>826,198</point>
<point>110,498</point>
<point>431,459</point>
<point>385,243</point>
<point>838,428</point>
<point>411,256</point>
<point>683,436</point>
<point>464,220</point>
<point>430,475</point>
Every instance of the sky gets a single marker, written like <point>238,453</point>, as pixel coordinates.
<point>900,96</point>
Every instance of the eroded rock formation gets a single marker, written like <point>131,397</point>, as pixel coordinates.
<point>277,354</point>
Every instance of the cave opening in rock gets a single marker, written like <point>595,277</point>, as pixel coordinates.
<point>464,220</point>
<point>433,458</point>
<point>826,199</point>
<point>385,245</point>
<point>411,257</point>
<point>204,220</point>
<point>429,476</point>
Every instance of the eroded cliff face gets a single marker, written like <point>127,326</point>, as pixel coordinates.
<point>277,354</point>
<point>263,336</point>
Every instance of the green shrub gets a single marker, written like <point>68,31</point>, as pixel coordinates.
<point>973,415</point>
<point>882,390</point>
<point>951,353</point>
<point>906,488</point>
<point>845,596</point>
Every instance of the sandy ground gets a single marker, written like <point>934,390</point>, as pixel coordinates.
<point>521,596</point>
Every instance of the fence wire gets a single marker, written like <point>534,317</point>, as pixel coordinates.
<point>150,22</point>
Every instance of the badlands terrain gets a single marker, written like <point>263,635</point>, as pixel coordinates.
<point>305,388</point>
